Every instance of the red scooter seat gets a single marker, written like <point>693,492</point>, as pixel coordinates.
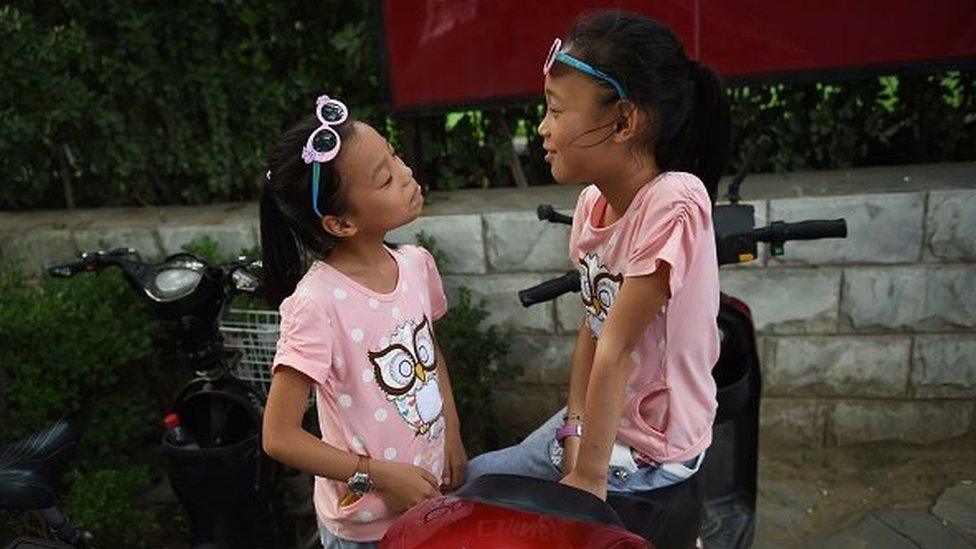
<point>512,512</point>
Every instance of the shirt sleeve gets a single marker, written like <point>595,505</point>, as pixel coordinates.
<point>305,338</point>
<point>668,231</point>
<point>579,217</point>
<point>435,287</point>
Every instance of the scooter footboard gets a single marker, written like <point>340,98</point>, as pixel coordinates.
<point>669,517</point>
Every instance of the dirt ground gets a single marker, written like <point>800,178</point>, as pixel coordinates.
<point>807,493</point>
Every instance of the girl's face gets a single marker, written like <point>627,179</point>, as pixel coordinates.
<point>381,191</point>
<point>578,127</point>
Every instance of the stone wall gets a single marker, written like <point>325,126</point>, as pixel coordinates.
<point>865,339</point>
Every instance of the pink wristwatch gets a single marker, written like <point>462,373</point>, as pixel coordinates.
<point>566,431</point>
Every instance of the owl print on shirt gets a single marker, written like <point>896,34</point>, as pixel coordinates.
<point>406,371</point>
<point>598,290</point>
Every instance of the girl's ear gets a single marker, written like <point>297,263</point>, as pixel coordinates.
<point>630,122</point>
<point>338,226</point>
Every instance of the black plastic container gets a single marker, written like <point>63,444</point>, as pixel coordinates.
<point>225,483</point>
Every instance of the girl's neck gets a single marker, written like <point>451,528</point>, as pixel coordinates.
<point>366,260</point>
<point>620,188</point>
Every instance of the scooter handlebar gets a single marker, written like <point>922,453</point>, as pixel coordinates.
<point>91,261</point>
<point>70,268</point>
<point>779,231</point>
<point>546,212</point>
<point>550,289</point>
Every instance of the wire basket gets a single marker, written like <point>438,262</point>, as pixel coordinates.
<point>255,334</point>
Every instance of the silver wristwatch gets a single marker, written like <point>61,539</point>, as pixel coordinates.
<point>359,482</point>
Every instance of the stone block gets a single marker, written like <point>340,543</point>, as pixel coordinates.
<point>231,239</point>
<point>500,293</point>
<point>950,298</point>
<point>881,228</point>
<point>544,359</point>
<point>32,252</point>
<point>951,226</point>
<point>922,528</point>
<point>518,241</point>
<point>458,236</point>
<point>957,507</point>
<point>944,366</point>
<point>893,528</point>
<point>837,366</point>
<point>569,313</point>
<point>792,422</point>
<point>143,241</point>
<point>918,422</point>
<point>788,301</point>
<point>910,297</point>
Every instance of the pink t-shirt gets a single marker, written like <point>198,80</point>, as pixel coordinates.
<point>670,395</point>
<point>372,359</point>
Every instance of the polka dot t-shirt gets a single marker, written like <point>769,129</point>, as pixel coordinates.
<point>372,359</point>
<point>669,400</point>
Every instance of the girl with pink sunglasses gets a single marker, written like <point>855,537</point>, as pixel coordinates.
<point>357,328</point>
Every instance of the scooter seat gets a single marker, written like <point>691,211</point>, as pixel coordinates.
<point>31,469</point>
<point>539,496</point>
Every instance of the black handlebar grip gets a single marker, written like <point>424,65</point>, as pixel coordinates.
<point>68,269</point>
<point>550,289</point>
<point>815,229</point>
<point>546,212</point>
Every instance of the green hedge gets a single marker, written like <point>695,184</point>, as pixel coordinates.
<point>161,103</point>
<point>85,349</point>
<point>175,103</point>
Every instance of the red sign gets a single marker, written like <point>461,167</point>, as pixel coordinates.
<point>449,53</point>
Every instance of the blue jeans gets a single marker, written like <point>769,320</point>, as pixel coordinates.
<point>540,455</point>
<point>332,541</point>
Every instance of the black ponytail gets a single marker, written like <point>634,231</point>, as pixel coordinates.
<point>707,148</point>
<point>281,259</point>
<point>689,126</point>
<point>291,232</point>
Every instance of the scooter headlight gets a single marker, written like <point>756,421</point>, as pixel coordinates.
<point>176,283</point>
<point>176,278</point>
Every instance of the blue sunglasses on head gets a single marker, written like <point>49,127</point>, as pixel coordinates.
<point>556,55</point>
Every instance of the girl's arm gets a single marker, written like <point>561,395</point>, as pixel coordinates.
<point>284,439</point>
<point>455,456</point>
<point>639,300</point>
<point>579,377</point>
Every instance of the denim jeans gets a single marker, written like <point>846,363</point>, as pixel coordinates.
<point>332,541</point>
<point>540,455</point>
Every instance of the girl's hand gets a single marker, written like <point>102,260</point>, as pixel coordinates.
<point>595,486</point>
<point>455,459</point>
<point>404,485</point>
<point>570,453</point>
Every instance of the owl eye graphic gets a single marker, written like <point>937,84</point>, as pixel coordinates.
<point>585,293</point>
<point>605,286</point>
<point>405,371</point>
<point>396,369</point>
<point>423,343</point>
<point>598,288</point>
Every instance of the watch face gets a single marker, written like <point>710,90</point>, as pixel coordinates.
<point>359,483</point>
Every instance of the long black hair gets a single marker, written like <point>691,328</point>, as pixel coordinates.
<point>291,232</point>
<point>689,113</point>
